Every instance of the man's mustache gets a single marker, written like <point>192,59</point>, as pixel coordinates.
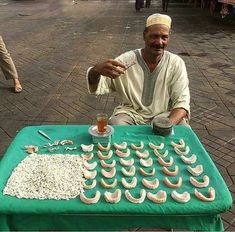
<point>157,46</point>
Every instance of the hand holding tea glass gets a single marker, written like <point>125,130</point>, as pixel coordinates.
<point>101,122</point>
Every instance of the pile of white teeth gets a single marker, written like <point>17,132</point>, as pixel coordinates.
<point>47,177</point>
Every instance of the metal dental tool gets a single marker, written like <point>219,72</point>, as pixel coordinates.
<point>129,65</point>
<point>44,134</point>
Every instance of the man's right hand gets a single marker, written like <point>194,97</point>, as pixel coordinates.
<point>110,68</point>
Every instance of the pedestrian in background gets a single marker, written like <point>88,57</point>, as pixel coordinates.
<point>147,3</point>
<point>139,4</point>
<point>8,67</point>
<point>165,5</point>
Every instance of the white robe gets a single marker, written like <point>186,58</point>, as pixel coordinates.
<point>146,94</point>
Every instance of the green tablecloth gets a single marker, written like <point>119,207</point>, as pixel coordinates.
<point>23,214</point>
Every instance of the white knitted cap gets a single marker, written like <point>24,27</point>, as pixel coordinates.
<point>158,19</point>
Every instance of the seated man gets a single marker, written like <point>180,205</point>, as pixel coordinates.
<point>151,81</point>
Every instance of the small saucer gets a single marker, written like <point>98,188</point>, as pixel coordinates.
<point>94,131</point>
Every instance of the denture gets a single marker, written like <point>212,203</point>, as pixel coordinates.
<point>123,154</point>
<point>169,184</point>
<point>126,163</point>
<point>150,184</point>
<point>158,147</point>
<point>198,170</point>
<point>89,186</point>
<point>130,185</point>
<point>201,197</point>
<point>179,152</point>
<point>146,162</point>
<point>156,152</point>
<point>108,165</point>
<point>91,200</point>
<point>180,197</point>
<point>121,146</point>
<point>110,185</point>
<point>199,184</point>
<point>171,172</point>
<point>181,144</point>
<point>90,174</point>
<point>102,148</point>
<point>162,162</point>
<point>87,148</point>
<point>114,197</point>
<point>136,200</point>
<point>143,155</point>
<point>104,157</point>
<point>159,197</point>
<point>31,149</point>
<point>87,157</point>
<point>90,166</point>
<point>109,174</point>
<point>145,173</point>
<point>131,172</point>
<point>63,142</point>
<point>190,160</point>
<point>136,147</point>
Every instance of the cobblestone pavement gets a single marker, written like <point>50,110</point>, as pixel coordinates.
<point>53,42</point>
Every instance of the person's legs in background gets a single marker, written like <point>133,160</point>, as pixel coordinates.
<point>142,4</point>
<point>147,3</point>
<point>8,67</point>
<point>165,5</point>
<point>138,5</point>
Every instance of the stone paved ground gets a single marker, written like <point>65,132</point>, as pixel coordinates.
<point>54,41</point>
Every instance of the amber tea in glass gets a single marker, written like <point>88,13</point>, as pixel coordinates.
<point>101,122</point>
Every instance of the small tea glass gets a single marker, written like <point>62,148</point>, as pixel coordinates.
<point>101,122</point>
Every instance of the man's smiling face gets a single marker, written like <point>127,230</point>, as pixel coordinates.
<point>156,39</point>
